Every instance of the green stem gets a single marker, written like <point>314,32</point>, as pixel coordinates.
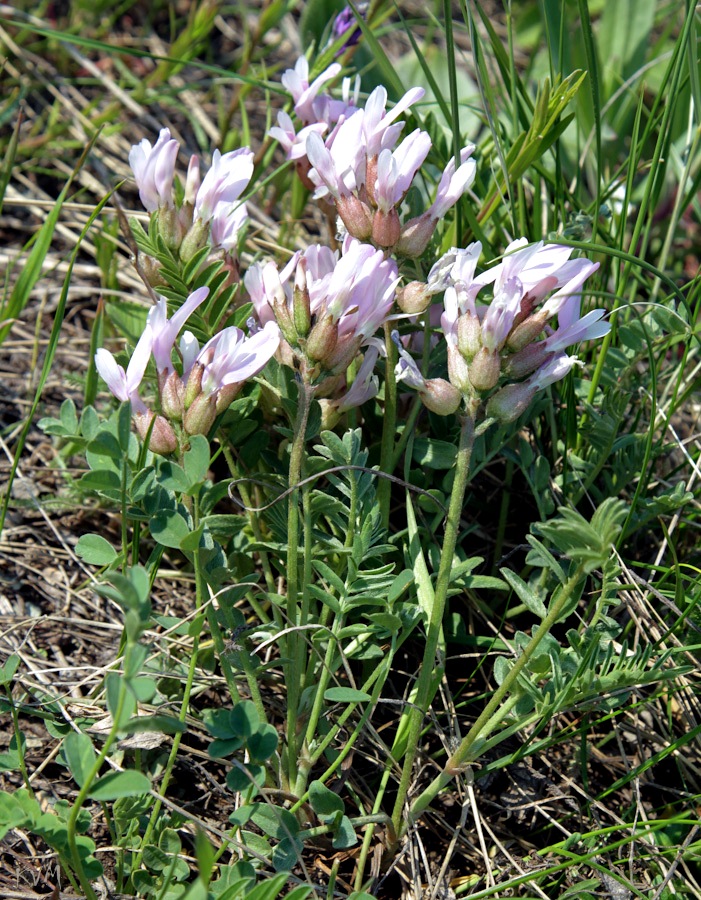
<point>18,739</point>
<point>494,711</point>
<point>192,667</point>
<point>306,392</point>
<point>389,428</point>
<point>85,790</point>
<point>424,693</point>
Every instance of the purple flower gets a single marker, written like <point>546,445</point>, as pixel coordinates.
<point>294,143</point>
<point>125,385</point>
<point>225,181</point>
<point>365,384</point>
<point>154,169</point>
<point>379,132</point>
<point>226,223</point>
<point>165,330</point>
<point>296,81</point>
<point>231,358</point>
<point>396,169</point>
<point>453,184</point>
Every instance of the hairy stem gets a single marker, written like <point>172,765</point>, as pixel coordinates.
<point>495,710</point>
<point>424,690</point>
<point>306,392</point>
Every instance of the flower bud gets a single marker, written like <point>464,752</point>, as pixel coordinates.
<point>343,353</point>
<point>163,440</point>
<point>284,320</point>
<point>193,388</point>
<point>226,395</point>
<point>371,177</point>
<point>469,335</point>
<point>194,240</point>
<point>200,416</point>
<point>169,227</point>
<point>527,360</point>
<point>355,216</point>
<point>415,236</point>
<point>440,396</point>
<point>323,338</point>
<point>414,298</point>
<point>485,369</point>
<point>386,228</point>
<point>510,402</point>
<point>527,331</point>
<point>329,414</point>
<point>458,372</point>
<point>301,311</point>
<point>151,268</point>
<point>173,397</point>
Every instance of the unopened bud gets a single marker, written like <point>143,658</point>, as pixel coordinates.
<point>469,335</point>
<point>194,240</point>
<point>371,177</point>
<point>355,216</point>
<point>485,369</point>
<point>226,395</point>
<point>162,440</point>
<point>323,338</point>
<point>329,414</point>
<point>527,331</point>
<point>415,236</point>
<point>284,321</point>
<point>151,268</point>
<point>193,388</point>
<point>510,402</point>
<point>458,372</point>
<point>343,354</point>
<point>386,228</point>
<point>527,360</point>
<point>169,227</point>
<point>414,298</point>
<point>173,397</point>
<point>440,396</point>
<point>200,416</point>
<point>301,311</point>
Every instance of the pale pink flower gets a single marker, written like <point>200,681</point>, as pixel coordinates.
<point>165,330</point>
<point>304,94</point>
<point>227,178</point>
<point>380,131</point>
<point>231,358</point>
<point>154,170</point>
<point>294,143</point>
<point>125,385</point>
<point>396,169</point>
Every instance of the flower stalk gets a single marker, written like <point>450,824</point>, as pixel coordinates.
<point>494,711</point>
<point>306,393</point>
<point>424,691</point>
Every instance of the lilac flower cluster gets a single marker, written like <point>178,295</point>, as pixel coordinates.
<point>210,380</point>
<point>328,307</point>
<point>496,345</point>
<point>211,209</point>
<point>352,158</point>
<point>320,314</point>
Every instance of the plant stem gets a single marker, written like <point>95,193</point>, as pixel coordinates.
<point>423,688</point>
<point>494,711</point>
<point>177,738</point>
<point>306,392</point>
<point>389,428</point>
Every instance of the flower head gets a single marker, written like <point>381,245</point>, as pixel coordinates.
<point>154,169</point>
